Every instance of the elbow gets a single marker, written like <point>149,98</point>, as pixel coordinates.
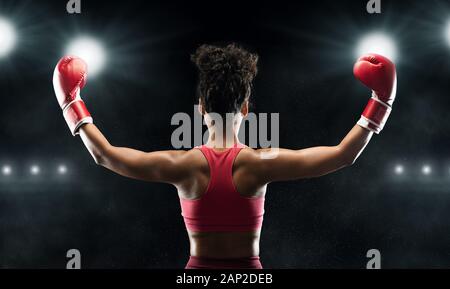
<point>100,157</point>
<point>349,161</point>
<point>348,158</point>
<point>99,160</point>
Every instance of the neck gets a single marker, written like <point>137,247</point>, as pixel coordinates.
<point>223,132</point>
<point>222,140</point>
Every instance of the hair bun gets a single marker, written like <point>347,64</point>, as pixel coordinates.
<point>226,74</point>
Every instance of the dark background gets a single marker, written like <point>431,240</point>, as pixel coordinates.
<point>305,74</point>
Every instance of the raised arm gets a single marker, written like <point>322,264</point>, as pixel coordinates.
<point>164,166</point>
<point>376,72</point>
<point>312,162</point>
<point>159,166</point>
<point>315,161</point>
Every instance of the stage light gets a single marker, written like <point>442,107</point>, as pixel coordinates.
<point>35,170</point>
<point>6,170</point>
<point>7,37</point>
<point>62,169</point>
<point>399,169</point>
<point>91,51</point>
<point>426,170</point>
<point>377,43</point>
<point>447,32</point>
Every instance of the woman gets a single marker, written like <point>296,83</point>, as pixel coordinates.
<point>222,184</point>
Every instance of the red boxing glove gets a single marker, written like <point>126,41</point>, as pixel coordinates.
<point>378,73</point>
<point>69,78</point>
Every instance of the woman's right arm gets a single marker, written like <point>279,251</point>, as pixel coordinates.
<point>376,72</point>
<point>312,162</point>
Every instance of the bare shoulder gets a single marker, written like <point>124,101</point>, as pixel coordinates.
<point>249,157</point>
<point>261,163</point>
<point>193,172</point>
<point>247,154</point>
<point>258,156</point>
<point>251,167</point>
<point>190,159</point>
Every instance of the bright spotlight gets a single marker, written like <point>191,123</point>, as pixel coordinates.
<point>62,169</point>
<point>7,37</point>
<point>447,32</point>
<point>6,170</point>
<point>35,170</point>
<point>91,51</point>
<point>426,170</point>
<point>399,169</point>
<point>377,43</point>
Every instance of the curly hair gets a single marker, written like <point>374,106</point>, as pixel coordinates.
<point>225,76</point>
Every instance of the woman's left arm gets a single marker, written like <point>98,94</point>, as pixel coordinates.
<point>164,166</point>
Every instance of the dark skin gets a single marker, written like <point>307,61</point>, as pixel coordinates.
<point>188,171</point>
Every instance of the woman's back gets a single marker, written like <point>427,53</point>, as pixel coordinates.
<point>222,221</point>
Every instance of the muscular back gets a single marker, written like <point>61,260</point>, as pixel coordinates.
<point>245,179</point>
<point>222,244</point>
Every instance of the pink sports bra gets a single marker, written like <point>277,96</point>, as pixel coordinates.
<point>221,208</point>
